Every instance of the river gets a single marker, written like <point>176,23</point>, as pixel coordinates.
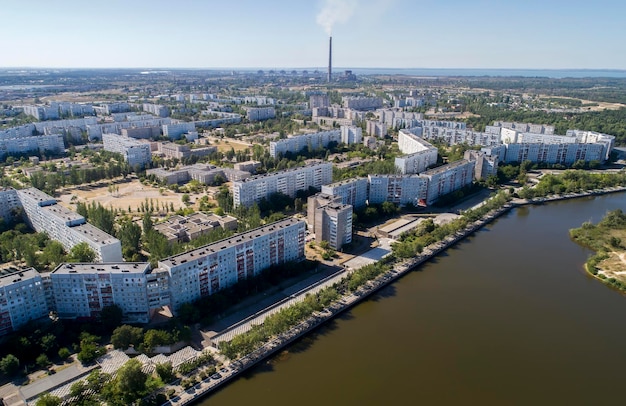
<point>506,317</point>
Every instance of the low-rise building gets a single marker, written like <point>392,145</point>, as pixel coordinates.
<point>186,228</point>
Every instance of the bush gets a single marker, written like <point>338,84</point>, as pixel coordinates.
<point>64,353</point>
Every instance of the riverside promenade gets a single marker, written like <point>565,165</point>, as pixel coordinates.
<point>347,301</point>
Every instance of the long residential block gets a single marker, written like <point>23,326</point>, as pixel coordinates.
<point>22,298</point>
<point>215,266</point>
<point>248,191</point>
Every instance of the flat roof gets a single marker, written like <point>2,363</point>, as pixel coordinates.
<point>36,194</point>
<point>109,267</point>
<point>228,242</point>
<point>345,182</point>
<point>94,234</point>
<point>278,173</point>
<point>63,213</point>
<point>446,167</point>
<point>12,275</point>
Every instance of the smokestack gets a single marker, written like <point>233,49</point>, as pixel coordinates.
<point>330,59</point>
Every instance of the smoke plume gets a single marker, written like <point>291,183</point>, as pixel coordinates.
<point>335,11</point>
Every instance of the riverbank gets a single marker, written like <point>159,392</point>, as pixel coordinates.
<point>348,301</point>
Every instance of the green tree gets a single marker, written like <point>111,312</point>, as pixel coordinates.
<point>64,353</point>
<point>82,252</point>
<point>9,364</point>
<point>165,371</point>
<point>129,235</point>
<point>89,348</point>
<point>48,400</point>
<point>185,198</point>
<point>125,336</point>
<point>128,386</point>
<point>42,360</point>
<point>155,338</point>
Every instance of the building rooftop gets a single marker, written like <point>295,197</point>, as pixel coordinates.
<point>228,242</point>
<point>94,234</point>
<point>37,195</point>
<point>90,268</point>
<point>64,214</point>
<point>278,173</point>
<point>446,167</point>
<point>345,182</point>
<point>12,275</point>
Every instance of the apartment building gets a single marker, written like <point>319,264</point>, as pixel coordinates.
<point>361,103</point>
<point>398,189</point>
<point>260,113</point>
<point>564,154</point>
<point>448,178</point>
<point>43,214</point>
<point>375,128</point>
<point>156,109</point>
<point>297,143</point>
<point>42,143</point>
<point>208,269</point>
<point>485,166</point>
<point>175,131</point>
<point>22,298</point>
<point>351,134</point>
<point>9,203</point>
<point>134,152</point>
<point>330,220</point>
<point>253,189</point>
<point>350,191</point>
<point>319,100</point>
<point>82,290</point>
<point>420,153</point>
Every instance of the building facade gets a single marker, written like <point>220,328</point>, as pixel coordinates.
<point>22,298</point>
<point>213,267</point>
<point>350,191</point>
<point>398,189</point>
<point>297,143</point>
<point>448,178</point>
<point>248,191</point>
<point>134,152</point>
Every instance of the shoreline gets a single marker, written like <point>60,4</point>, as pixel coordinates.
<point>399,269</point>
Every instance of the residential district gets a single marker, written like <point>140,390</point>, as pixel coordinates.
<point>333,131</point>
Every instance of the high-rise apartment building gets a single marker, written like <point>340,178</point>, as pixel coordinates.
<point>289,182</point>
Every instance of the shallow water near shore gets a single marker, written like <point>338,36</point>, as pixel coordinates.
<point>508,316</point>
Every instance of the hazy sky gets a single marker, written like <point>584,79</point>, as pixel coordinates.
<point>290,33</point>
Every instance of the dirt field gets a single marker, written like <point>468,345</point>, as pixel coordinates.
<point>615,265</point>
<point>226,145</point>
<point>131,194</point>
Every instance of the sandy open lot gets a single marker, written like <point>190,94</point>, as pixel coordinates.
<point>131,193</point>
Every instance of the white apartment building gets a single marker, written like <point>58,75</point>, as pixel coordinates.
<point>421,154</point>
<point>22,298</point>
<point>448,178</point>
<point>81,291</point>
<point>176,130</point>
<point>9,202</point>
<point>319,100</point>
<point>253,189</point>
<point>43,214</point>
<point>564,154</point>
<point>350,191</point>
<point>376,128</point>
<point>361,103</point>
<point>42,143</point>
<point>351,135</point>
<point>297,143</point>
<point>156,109</point>
<point>213,267</point>
<point>260,113</point>
<point>485,166</point>
<point>134,152</point>
<point>398,189</point>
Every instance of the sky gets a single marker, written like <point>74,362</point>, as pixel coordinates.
<point>516,34</point>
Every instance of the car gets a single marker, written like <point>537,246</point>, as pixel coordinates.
<point>216,376</point>
<point>224,370</point>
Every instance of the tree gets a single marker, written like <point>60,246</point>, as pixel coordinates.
<point>125,336</point>
<point>48,343</point>
<point>185,198</point>
<point>89,348</point>
<point>111,316</point>
<point>9,364</point>
<point>82,252</point>
<point>154,338</point>
<point>42,360</point>
<point>48,400</point>
<point>64,353</point>
<point>128,385</point>
<point>129,235</point>
<point>165,371</point>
